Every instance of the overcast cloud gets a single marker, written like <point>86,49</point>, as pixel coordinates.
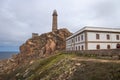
<point>20,18</point>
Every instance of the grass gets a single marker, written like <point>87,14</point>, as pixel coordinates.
<point>52,66</point>
<point>97,71</point>
<point>58,66</point>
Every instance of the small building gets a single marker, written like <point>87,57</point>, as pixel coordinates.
<point>34,35</point>
<point>94,38</point>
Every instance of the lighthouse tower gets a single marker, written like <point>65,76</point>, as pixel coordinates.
<point>54,21</point>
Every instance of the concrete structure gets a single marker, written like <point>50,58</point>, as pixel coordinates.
<point>94,38</point>
<point>54,21</point>
<point>34,35</point>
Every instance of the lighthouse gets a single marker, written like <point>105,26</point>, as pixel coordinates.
<point>54,21</point>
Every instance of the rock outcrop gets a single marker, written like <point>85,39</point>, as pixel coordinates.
<point>46,43</point>
<point>36,47</point>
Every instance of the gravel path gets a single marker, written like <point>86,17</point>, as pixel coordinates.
<point>95,60</point>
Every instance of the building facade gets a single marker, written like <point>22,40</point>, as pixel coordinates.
<point>94,38</point>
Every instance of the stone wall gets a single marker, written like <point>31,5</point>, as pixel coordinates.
<point>34,35</point>
<point>110,52</point>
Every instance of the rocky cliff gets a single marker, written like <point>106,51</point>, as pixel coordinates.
<point>46,43</point>
<point>35,48</point>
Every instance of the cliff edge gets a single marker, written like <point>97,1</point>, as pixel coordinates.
<point>46,43</point>
<point>35,48</point>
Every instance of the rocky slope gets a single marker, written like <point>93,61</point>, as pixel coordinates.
<point>66,67</point>
<point>33,62</point>
<point>37,47</point>
<point>55,67</point>
<point>46,43</point>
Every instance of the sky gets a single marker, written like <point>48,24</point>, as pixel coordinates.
<point>20,18</point>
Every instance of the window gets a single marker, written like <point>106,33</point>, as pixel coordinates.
<point>82,47</point>
<point>76,48</point>
<point>117,37</point>
<point>118,46</point>
<point>98,47</point>
<point>72,40</point>
<point>108,46</point>
<point>97,36</point>
<point>78,38</point>
<point>79,47</point>
<point>81,37</point>
<point>72,48</point>
<point>108,37</point>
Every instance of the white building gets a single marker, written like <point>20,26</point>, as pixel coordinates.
<point>94,38</point>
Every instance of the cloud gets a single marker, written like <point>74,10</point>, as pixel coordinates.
<point>107,13</point>
<point>19,18</point>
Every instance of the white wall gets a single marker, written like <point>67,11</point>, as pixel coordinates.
<point>92,46</point>
<point>73,46</point>
<point>81,44</point>
<point>92,41</point>
<point>92,36</point>
<point>76,43</point>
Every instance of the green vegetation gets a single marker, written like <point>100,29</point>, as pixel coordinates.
<point>63,66</point>
<point>47,68</point>
<point>97,71</point>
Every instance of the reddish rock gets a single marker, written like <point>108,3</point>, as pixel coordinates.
<point>46,43</point>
